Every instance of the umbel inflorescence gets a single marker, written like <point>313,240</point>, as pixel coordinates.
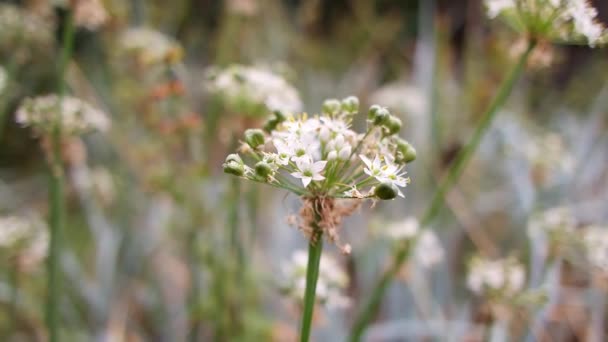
<point>322,157</point>
<point>561,21</point>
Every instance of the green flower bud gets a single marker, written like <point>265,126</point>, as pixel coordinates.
<point>254,137</point>
<point>350,104</point>
<point>331,106</point>
<point>279,116</point>
<point>270,125</point>
<point>372,112</point>
<point>234,157</point>
<point>263,170</point>
<point>386,191</point>
<point>406,153</point>
<point>234,168</point>
<point>381,117</point>
<point>392,125</point>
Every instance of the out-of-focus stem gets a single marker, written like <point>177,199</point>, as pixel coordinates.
<point>315,247</point>
<point>56,189</point>
<point>453,174</point>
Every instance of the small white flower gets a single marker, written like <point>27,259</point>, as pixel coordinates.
<point>403,230</point>
<point>373,168</point>
<point>309,170</point>
<point>506,275</point>
<point>428,251</point>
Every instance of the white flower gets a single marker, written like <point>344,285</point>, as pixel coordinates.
<point>331,282</point>
<point>494,7</point>
<point>596,243</point>
<point>373,168</point>
<point>76,115</point>
<point>559,220</point>
<point>240,84</point>
<point>150,45</point>
<point>24,236</point>
<point>566,21</point>
<point>428,250</point>
<point>505,275</point>
<point>406,229</point>
<point>308,170</point>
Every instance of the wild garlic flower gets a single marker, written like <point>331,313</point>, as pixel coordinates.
<point>24,37</point>
<point>402,98</point>
<point>150,46</point>
<point>552,222</point>
<point>24,237</point>
<point>252,91</point>
<point>495,277</point>
<point>595,239</point>
<point>330,286</point>
<point>428,250</point>
<point>321,156</point>
<point>90,14</point>
<point>549,157</point>
<point>77,116</point>
<point>561,21</point>
<point>406,229</point>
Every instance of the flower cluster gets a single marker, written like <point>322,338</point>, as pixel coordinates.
<point>150,47</point>
<point>23,36</point>
<point>555,224</point>
<point>90,14</point>
<point>428,250</point>
<point>402,98</point>
<point>548,157</point>
<point>321,156</point>
<point>330,286</point>
<point>596,243</point>
<point>24,237</point>
<point>495,277</point>
<point>563,21</point>
<point>402,230</point>
<point>77,116</point>
<point>252,91</point>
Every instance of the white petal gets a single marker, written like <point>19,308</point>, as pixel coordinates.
<point>306,181</point>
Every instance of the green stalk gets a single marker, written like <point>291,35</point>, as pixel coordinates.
<point>453,174</point>
<point>56,196</point>
<point>315,247</point>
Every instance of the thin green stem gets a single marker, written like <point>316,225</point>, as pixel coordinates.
<point>56,196</point>
<point>453,174</point>
<point>315,247</point>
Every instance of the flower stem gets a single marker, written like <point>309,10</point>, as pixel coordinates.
<point>315,247</point>
<point>56,196</point>
<point>453,174</point>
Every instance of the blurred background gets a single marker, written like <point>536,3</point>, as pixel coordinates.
<point>159,245</point>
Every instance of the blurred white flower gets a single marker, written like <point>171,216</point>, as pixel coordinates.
<point>25,237</point>
<point>401,98</point>
<point>562,21</point>
<point>549,157</point>
<point>330,285</point>
<point>500,276</point>
<point>596,243</point>
<point>253,91</point>
<point>150,46</point>
<point>402,230</point>
<point>559,220</point>
<point>428,250</point>
<point>76,115</point>
<point>24,37</point>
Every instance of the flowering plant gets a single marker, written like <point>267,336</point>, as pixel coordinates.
<point>321,159</point>
<point>321,156</point>
<point>561,21</point>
